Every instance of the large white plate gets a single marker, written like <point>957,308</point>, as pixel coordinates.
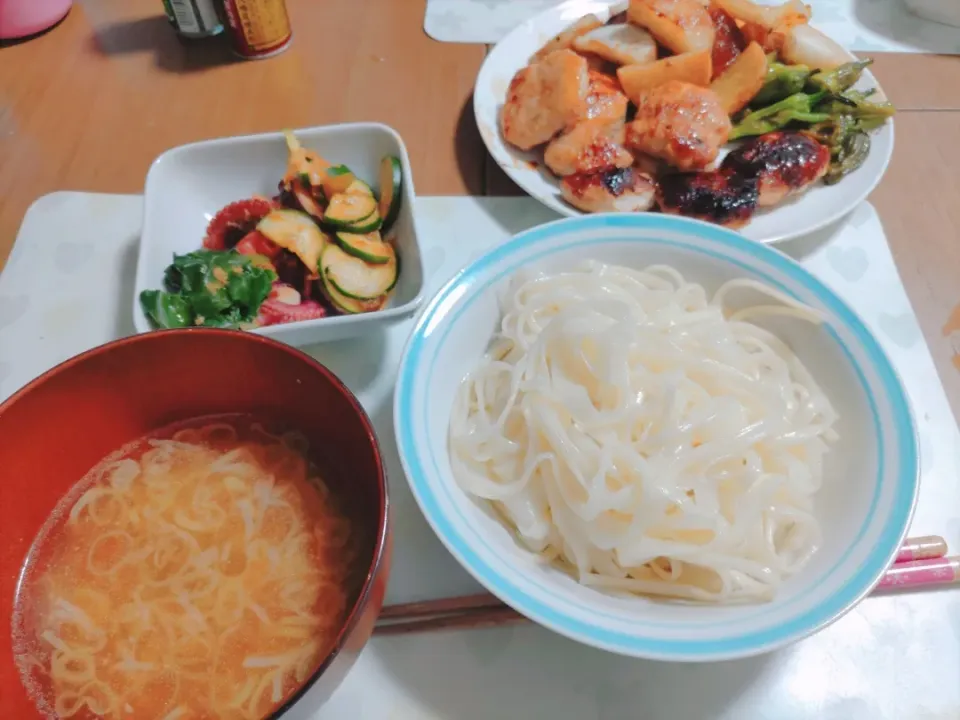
<point>818,207</point>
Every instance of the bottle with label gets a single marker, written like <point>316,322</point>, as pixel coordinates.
<point>193,18</point>
<point>259,28</point>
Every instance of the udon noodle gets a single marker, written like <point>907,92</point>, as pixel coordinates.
<point>202,574</point>
<point>629,428</point>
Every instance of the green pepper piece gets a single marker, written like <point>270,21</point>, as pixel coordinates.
<point>870,123</point>
<point>857,104</point>
<point>858,96</point>
<point>838,79</point>
<point>875,113</point>
<point>781,82</point>
<point>854,153</point>
<point>796,108</point>
<point>834,132</point>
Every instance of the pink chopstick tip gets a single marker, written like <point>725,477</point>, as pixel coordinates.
<point>932,571</point>
<point>922,548</point>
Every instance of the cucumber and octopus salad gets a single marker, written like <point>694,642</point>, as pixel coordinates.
<point>320,247</point>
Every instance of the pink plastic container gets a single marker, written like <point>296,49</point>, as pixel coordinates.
<point>19,18</point>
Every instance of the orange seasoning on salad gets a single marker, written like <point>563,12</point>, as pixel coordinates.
<point>260,28</point>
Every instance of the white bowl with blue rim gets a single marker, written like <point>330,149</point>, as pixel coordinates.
<point>871,474</point>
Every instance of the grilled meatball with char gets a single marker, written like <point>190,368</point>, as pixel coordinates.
<point>618,190</point>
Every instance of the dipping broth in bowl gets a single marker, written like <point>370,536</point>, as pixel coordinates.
<point>202,571</point>
<point>211,567</point>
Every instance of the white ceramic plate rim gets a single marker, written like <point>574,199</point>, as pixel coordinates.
<point>512,53</point>
<point>897,462</point>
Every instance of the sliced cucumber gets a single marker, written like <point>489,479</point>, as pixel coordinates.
<point>347,211</point>
<point>359,187</point>
<point>338,179</point>
<point>391,181</point>
<point>369,248</point>
<point>355,278</point>
<point>396,275</point>
<point>297,232</point>
<point>348,304</point>
<point>369,224</point>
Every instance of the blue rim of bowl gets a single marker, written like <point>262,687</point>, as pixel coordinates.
<point>749,643</point>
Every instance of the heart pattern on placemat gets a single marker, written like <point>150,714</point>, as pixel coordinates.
<point>851,263</point>
<point>12,307</point>
<point>901,328</point>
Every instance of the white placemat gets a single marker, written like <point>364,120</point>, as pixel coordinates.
<point>67,288</point>
<point>859,25</point>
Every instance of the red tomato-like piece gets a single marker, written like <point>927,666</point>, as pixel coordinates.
<point>233,222</point>
<point>728,41</point>
<point>274,312</point>
<point>256,243</point>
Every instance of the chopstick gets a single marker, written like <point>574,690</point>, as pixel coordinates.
<point>921,573</point>
<point>425,608</point>
<point>922,548</point>
<point>921,562</point>
<point>471,619</point>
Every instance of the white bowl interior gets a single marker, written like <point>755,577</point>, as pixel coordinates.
<point>188,185</point>
<point>856,502</point>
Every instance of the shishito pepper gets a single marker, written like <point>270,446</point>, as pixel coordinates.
<point>852,154</point>
<point>839,79</point>
<point>781,82</point>
<point>798,108</point>
<point>869,114</point>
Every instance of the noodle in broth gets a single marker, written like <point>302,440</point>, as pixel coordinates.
<point>200,574</point>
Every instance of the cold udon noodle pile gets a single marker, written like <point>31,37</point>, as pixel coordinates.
<point>630,429</point>
<point>203,579</point>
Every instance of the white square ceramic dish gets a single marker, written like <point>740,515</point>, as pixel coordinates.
<point>187,185</point>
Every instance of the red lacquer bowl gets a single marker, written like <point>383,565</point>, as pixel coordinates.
<point>63,423</point>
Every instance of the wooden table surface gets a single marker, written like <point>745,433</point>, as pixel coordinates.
<point>91,103</point>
